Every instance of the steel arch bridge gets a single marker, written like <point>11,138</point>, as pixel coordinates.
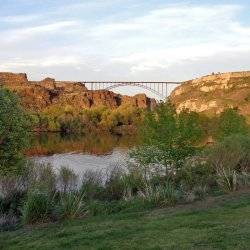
<point>160,89</point>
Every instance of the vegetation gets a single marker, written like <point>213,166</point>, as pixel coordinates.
<point>70,120</point>
<point>169,168</point>
<point>14,136</point>
<point>219,223</point>
<point>167,137</point>
<point>231,122</point>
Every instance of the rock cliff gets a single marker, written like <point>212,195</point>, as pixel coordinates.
<point>212,94</point>
<point>38,95</point>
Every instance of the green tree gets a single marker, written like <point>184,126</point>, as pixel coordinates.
<point>230,122</point>
<point>167,137</point>
<point>14,136</point>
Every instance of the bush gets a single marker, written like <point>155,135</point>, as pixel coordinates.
<point>41,177</point>
<point>14,136</point>
<point>8,222</point>
<point>230,122</point>
<point>71,205</point>
<point>230,160</point>
<point>195,176</point>
<point>37,208</point>
<point>92,185</point>
<point>67,180</point>
<point>160,195</point>
<point>167,137</point>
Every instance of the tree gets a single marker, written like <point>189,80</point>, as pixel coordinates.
<point>231,122</point>
<point>167,137</point>
<point>14,135</point>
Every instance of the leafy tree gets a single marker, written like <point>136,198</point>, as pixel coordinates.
<point>167,137</point>
<point>231,122</point>
<point>14,136</point>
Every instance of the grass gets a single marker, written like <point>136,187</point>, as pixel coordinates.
<point>221,222</point>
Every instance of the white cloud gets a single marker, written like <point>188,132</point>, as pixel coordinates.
<point>51,61</point>
<point>173,38</point>
<point>26,33</point>
<point>173,34</point>
<point>20,18</point>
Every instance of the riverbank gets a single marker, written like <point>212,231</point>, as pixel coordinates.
<point>221,222</point>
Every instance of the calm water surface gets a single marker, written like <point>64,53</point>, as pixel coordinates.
<point>81,152</point>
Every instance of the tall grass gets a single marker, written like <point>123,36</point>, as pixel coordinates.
<point>43,194</point>
<point>37,207</point>
<point>160,195</point>
<point>67,180</point>
<point>71,205</point>
<point>230,160</point>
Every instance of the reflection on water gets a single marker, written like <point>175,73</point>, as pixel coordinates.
<point>81,152</point>
<point>94,144</point>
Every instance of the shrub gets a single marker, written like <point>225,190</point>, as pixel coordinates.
<point>114,188</point>
<point>14,136</point>
<point>41,177</point>
<point>37,208</point>
<point>67,180</point>
<point>160,195</point>
<point>11,204</point>
<point>196,175</point>
<point>92,184</point>
<point>71,205</point>
<point>230,122</point>
<point>8,222</point>
<point>167,137</point>
<point>132,181</point>
<point>230,159</point>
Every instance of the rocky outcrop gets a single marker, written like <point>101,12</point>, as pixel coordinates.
<point>38,95</point>
<point>214,93</point>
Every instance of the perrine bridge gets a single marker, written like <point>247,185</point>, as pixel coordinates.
<point>160,89</point>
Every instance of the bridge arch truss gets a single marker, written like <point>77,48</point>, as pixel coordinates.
<point>160,89</point>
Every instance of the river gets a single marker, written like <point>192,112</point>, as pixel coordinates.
<point>81,152</point>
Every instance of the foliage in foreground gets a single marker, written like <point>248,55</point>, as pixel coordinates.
<point>44,195</point>
<point>167,137</point>
<point>166,170</point>
<point>220,223</point>
<point>14,136</point>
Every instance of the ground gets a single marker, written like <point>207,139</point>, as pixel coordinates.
<point>221,222</point>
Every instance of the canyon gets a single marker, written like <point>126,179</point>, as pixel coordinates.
<point>209,94</point>
<point>214,93</point>
<point>38,95</point>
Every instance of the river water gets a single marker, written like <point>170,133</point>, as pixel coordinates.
<point>81,152</point>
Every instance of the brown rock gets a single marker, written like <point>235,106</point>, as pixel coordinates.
<point>38,95</point>
<point>214,93</point>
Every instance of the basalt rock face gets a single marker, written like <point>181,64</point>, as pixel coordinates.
<point>38,95</point>
<point>214,93</point>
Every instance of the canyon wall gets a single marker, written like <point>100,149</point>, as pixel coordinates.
<point>213,93</point>
<point>38,95</point>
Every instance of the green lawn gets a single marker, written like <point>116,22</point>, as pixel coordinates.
<point>217,223</point>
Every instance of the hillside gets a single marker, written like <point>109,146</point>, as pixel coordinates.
<point>212,94</point>
<point>38,95</point>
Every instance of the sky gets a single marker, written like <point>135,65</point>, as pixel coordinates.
<point>130,40</point>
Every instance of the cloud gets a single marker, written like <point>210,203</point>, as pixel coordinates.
<point>175,33</point>
<point>26,33</point>
<point>99,40</point>
<point>44,62</point>
<point>20,18</point>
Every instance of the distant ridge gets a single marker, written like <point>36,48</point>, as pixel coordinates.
<point>213,93</point>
